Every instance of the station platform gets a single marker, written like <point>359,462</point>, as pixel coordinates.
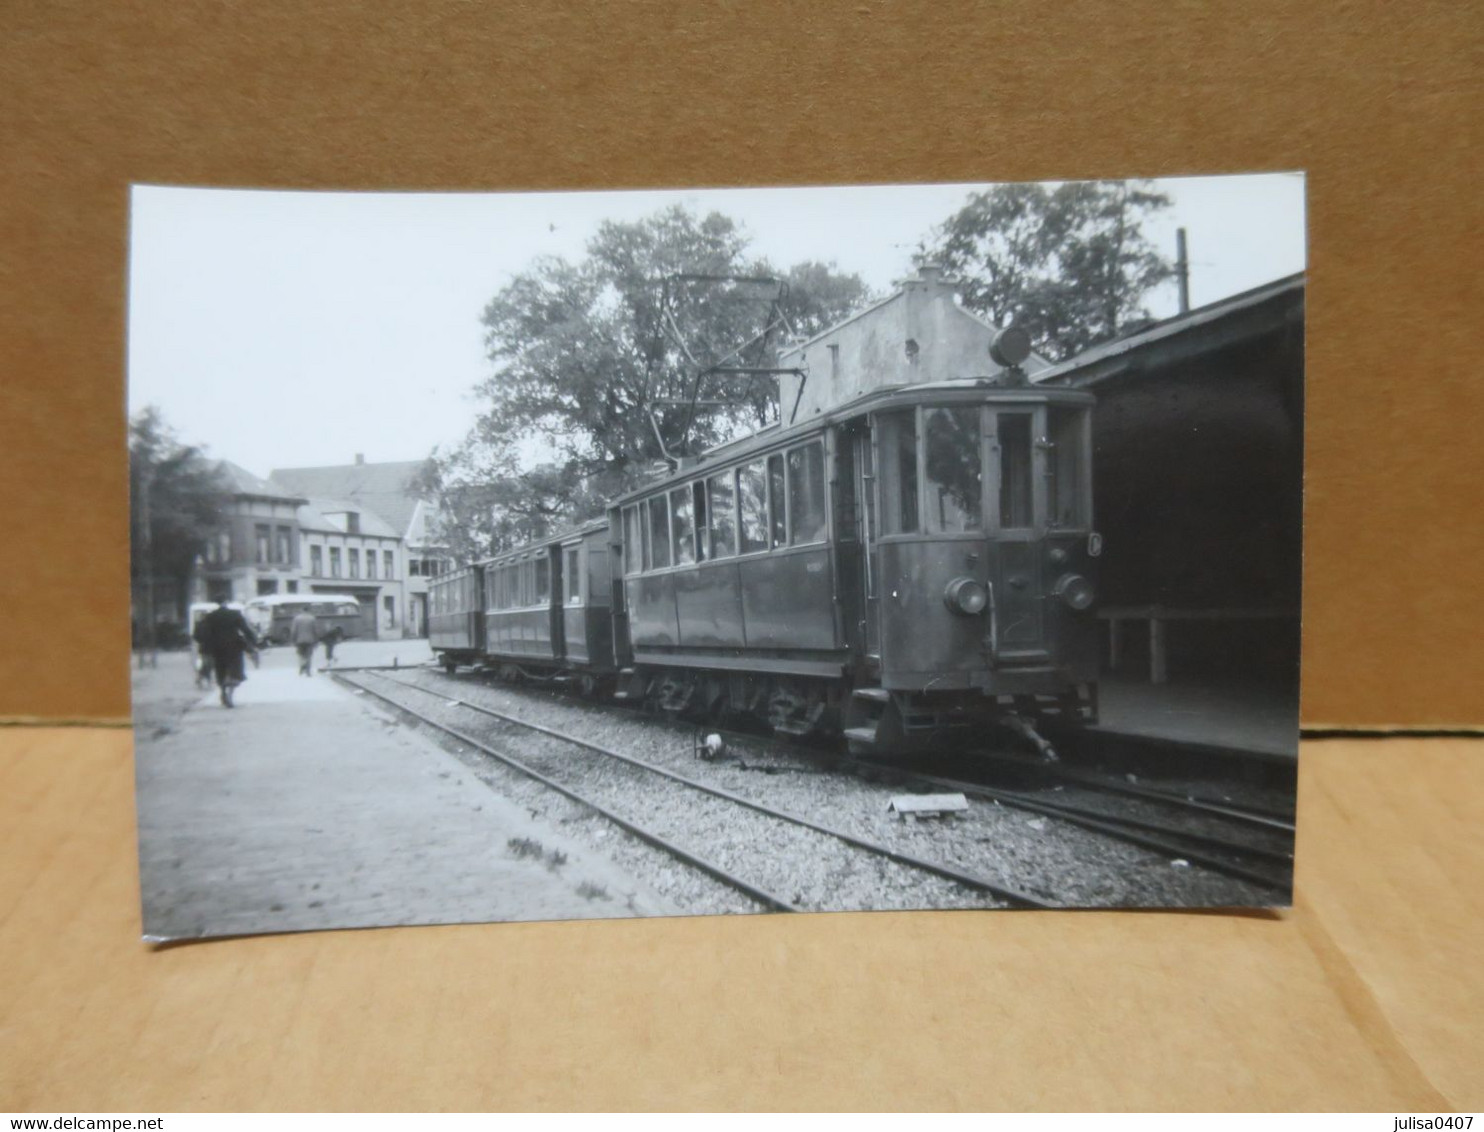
<point>306,807</point>
<point>1244,717</point>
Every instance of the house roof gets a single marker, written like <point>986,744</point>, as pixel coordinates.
<point>240,481</point>
<point>1035,362</point>
<point>315,516</point>
<point>383,488</point>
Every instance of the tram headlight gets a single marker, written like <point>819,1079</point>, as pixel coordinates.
<point>1076,591</point>
<point>966,596</point>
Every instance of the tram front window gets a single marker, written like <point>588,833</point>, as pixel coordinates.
<point>1015,470</point>
<point>1067,468</point>
<point>955,492</point>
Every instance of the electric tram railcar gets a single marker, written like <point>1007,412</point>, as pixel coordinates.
<point>916,561</point>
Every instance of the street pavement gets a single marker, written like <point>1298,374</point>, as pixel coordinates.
<point>307,807</point>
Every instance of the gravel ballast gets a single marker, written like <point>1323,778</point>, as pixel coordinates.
<point>1048,859</point>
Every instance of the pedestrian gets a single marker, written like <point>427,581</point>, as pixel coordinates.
<point>225,636</point>
<point>304,633</point>
<point>331,639</point>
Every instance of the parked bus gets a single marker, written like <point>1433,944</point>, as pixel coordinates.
<point>271,615</point>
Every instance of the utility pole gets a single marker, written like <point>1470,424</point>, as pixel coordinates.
<point>1182,269</point>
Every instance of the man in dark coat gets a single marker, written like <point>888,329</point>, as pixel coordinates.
<point>225,636</point>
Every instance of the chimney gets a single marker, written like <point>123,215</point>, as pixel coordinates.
<point>360,457</point>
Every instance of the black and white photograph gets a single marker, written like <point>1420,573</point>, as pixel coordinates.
<point>570,555</point>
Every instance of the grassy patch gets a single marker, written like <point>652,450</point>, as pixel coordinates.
<point>522,848</point>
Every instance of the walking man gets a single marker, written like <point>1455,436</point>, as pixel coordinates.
<point>225,636</point>
<point>304,633</point>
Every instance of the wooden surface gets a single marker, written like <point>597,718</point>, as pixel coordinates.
<point>1378,101</point>
<point>1368,995</point>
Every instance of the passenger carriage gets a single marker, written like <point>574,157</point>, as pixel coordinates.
<point>456,616</point>
<point>547,608</point>
<point>917,559</point>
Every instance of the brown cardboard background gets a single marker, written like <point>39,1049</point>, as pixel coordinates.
<point>1379,102</point>
<point>1368,995</point>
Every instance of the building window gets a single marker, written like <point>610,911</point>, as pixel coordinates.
<point>316,562</point>
<point>264,534</point>
<point>353,522</point>
<point>334,562</point>
<point>292,586</point>
<point>389,612</point>
<point>285,546</point>
<point>355,562</point>
<point>224,547</point>
<point>386,562</point>
<point>371,564</point>
<point>414,568</point>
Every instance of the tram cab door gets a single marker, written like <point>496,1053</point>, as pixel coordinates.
<point>856,511</point>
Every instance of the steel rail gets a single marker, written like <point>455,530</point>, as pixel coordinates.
<point>747,888</point>
<point>1118,828</point>
<point>1106,824</point>
<point>948,872</point>
<point>1111,786</point>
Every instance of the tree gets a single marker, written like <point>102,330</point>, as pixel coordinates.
<point>176,501</point>
<point>596,364</point>
<point>1070,265</point>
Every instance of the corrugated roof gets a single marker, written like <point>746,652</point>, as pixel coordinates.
<point>383,488</point>
<point>1081,366</point>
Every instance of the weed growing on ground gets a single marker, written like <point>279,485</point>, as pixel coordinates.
<point>523,847</point>
<point>589,891</point>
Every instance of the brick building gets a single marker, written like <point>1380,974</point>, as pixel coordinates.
<point>256,549</point>
<point>917,334</point>
<point>349,550</point>
<point>394,493</point>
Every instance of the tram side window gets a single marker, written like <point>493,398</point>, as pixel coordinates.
<point>1067,487</point>
<point>898,473</point>
<point>571,579</point>
<point>659,533</point>
<point>722,515</point>
<point>776,497</point>
<point>632,540</point>
<point>806,493</point>
<point>543,580</point>
<point>955,493</point>
<point>1015,469</point>
<point>682,527</point>
<point>703,541</point>
<point>752,508</point>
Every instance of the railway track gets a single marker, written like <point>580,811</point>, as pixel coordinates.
<point>1222,853</point>
<point>561,774</point>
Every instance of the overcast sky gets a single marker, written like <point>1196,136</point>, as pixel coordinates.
<point>287,329</point>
